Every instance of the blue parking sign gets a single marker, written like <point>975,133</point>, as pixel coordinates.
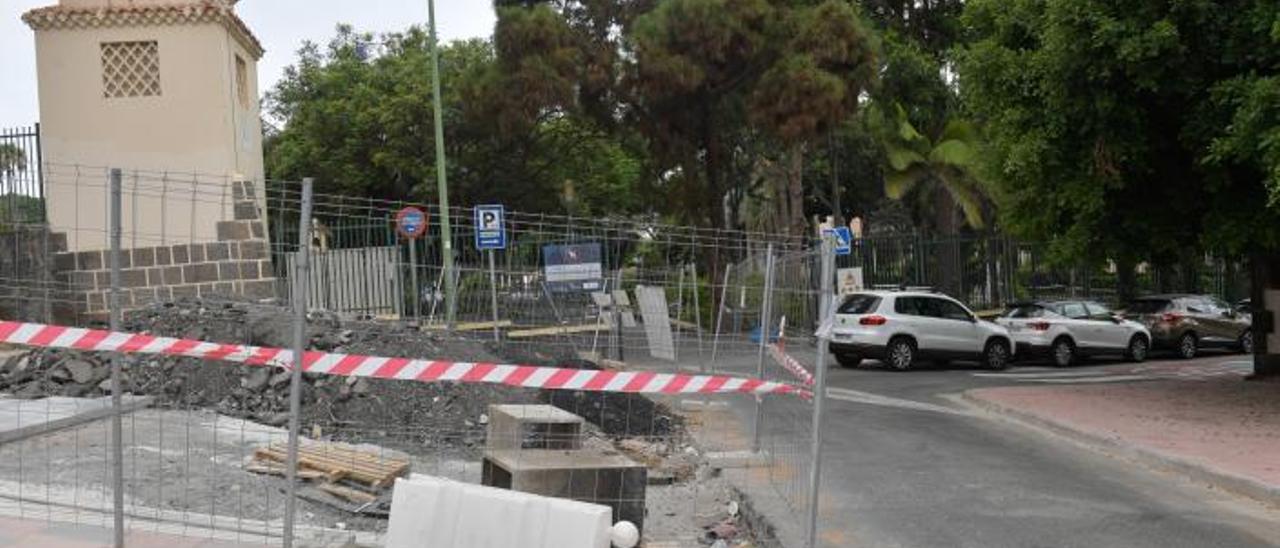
<point>844,239</point>
<point>491,232</point>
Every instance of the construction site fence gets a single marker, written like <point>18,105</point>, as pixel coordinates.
<point>180,445</point>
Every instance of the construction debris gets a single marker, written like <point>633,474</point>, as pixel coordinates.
<point>340,462</point>
<point>351,474</point>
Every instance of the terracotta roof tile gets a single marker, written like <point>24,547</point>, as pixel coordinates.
<point>178,13</point>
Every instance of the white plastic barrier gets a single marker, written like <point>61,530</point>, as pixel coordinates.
<point>430,512</point>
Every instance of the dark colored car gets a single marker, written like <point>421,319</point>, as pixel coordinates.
<point>1187,323</point>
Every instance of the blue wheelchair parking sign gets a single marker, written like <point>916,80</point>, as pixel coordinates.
<point>844,239</point>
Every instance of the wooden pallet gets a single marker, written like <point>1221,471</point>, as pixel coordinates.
<point>334,462</point>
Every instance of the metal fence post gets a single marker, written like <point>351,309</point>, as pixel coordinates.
<point>416,294</point>
<point>820,386</point>
<point>724,294</point>
<point>117,434</point>
<point>301,278</point>
<point>493,296</point>
<point>766,329</point>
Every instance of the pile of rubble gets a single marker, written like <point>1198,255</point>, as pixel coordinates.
<point>347,407</point>
<point>262,393</point>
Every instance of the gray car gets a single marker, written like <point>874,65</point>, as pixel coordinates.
<point>1187,323</point>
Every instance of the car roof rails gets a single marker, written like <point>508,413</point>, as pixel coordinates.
<point>905,287</point>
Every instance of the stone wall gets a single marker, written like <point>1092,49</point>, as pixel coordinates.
<point>238,264</point>
<point>27,292</point>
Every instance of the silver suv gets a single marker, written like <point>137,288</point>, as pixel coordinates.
<point>899,328</point>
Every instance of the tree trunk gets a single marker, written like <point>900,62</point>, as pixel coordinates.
<point>1126,280</point>
<point>797,226</point>
<point>947,227</point>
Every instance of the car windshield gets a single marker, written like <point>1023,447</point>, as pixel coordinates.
<point>1147,306</point>
<point>859,304</point>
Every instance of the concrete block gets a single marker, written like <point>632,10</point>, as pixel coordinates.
<point>246,211</point>
<point>164,256</point>
<point>63,262</point>
<point>228,271</point>
<point>84,280</point>
<point>257,230</point>
<point>181,254</point>
<point>185,292</point>
<point>429,512</point>
<point>89,260</point>
<point>200,273</point>
<point>252,250</point>
<point>134,277</point>
<point>197,253</point>
<point>595,476</point>
<point>250,270</point>
<point>145,256</point>
<point>173,275</point>
<point>532,427</point>
<point>217,251</point>
<point>233,230</point>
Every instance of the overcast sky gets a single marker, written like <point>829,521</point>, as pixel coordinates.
<point>281,25</point>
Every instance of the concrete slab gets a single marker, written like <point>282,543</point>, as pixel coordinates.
<point>52,534</point>
<point>21,419</point>
<point>597,476</point>
<point>532,427</point>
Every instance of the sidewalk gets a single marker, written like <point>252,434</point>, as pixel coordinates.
<point>1224,431</point>
<point>19,532</point>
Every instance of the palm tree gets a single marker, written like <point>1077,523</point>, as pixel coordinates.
<point>12,160</point>
<point>941,168</point>
<point>939,172</point>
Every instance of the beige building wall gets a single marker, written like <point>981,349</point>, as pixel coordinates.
<point>180,149</point>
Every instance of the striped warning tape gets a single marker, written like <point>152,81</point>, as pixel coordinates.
<point>642,382</point>
<point>791,364</point>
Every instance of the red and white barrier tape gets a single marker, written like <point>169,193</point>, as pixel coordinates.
<point>524,376</point>
<point>791,364</point>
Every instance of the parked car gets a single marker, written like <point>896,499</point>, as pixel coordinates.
<point>1187,323</point>
<point>900,328</point>
<point>1065,331</point>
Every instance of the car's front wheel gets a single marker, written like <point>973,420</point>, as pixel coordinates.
<point>1138,347</point>
<point>1188,346</point>
<point>1246,342</point>
<point>848,361</point>
<point>902,354</point>
<point>997,355</point>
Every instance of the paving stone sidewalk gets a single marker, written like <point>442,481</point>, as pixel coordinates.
<point>1223,431</point>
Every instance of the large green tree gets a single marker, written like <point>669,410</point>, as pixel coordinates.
<point>1127,130</point>
<point>357,116</point>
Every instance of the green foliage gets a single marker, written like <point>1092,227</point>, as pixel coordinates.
<point>358,117</point>
<point>12,159</point>
<point>1115,127</point>
<point>944,164</point>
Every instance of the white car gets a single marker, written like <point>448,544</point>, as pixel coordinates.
<point>899,328</point>
<point>1065,331</point>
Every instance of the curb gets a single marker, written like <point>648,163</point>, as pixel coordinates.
<point>1239,485</point>
<point>19,434</point>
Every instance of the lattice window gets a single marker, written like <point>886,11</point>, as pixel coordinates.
<point>130,69</point>
<point>242,81</point>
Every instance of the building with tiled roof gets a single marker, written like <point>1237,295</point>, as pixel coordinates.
<point>154,85</point>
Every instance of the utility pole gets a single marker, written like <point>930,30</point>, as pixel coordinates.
<point>442,182</point>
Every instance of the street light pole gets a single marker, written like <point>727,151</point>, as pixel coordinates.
<point>442,183</point>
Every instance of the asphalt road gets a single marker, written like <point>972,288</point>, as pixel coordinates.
<point>907,464</point>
